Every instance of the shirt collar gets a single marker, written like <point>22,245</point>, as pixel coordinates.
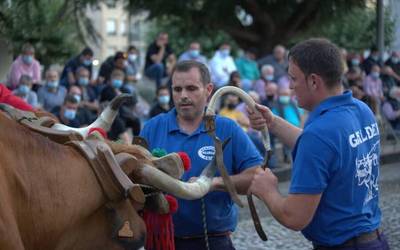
<point>173,125</point>
<point>330,103</point>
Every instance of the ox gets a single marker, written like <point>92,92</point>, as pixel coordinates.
<point>51,198</point>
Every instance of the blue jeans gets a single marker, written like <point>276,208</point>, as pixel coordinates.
<point>215,243</point>
<point>155,72</point>
<point>378,244</point>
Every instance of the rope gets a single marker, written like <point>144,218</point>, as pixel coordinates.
<point>204,218</point>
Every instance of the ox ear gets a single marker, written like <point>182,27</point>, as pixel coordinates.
<point>170,164</point>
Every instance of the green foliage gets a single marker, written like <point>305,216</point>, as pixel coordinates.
<point>354,30</point>
<point>45,24</point>
<point>180,37</point>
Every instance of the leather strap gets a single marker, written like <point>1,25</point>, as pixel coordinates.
<point>219,156</point>
<point>115,183</point>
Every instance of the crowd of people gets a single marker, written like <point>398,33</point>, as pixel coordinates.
<point>313,76</point>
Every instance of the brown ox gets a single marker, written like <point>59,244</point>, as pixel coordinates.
<point>51,199</point>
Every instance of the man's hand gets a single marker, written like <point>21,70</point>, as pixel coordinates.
<point>258,120</point>
<point>263,182</point>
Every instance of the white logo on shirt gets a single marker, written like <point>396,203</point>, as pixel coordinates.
<point>364,172</point>
<point>206,152</point>
<point>361,136</point>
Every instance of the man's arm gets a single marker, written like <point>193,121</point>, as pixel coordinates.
<point>286,132</point>
<point>241,181</point>
<point>295,211</point>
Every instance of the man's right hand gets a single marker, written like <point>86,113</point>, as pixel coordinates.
<point>258,120</point>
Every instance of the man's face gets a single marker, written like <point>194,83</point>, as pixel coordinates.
<point>120,63</point>
<point>299,85</point>
<point>194,46</point>
<point>52,76</point>
<point>83,74</point>
<point>279,53</point>
<point>189,94</point>
<point>162,39</point>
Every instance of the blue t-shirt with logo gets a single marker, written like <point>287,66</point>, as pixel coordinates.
<point>240,154</point>
<point>337,155</point>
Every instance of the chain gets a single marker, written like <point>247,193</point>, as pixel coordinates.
<point>204,215</point>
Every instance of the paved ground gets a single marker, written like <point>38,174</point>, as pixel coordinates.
<point>245,238</point>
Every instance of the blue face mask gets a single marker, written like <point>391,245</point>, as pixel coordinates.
<point>23,89</point>
<point>194,53</point>
<point>70,114</point>
<point>284,99</point>
<point>269,77</point>
<point>355,62</point>
<point>83,81</point>
<point>375,75</point>
<point>164,99</point>
<point>77,98</point>
<point>87,62</point>
<point>225,52</point>
<point>132,58</point>
<point>27,59</point>
<point>52,84</point>
<point>116,83</point>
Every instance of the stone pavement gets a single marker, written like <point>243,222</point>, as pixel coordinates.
<point>246,238</point>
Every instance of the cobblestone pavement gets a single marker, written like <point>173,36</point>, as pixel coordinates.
<point>246,238</point>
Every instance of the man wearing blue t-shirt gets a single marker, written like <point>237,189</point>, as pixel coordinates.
<point>183,129</point>
<point>333,196</point>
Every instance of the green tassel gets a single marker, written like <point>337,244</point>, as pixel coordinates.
<point>158,152</point>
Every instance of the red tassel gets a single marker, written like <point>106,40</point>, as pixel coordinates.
<point>100,130</point>
<point>185,160</point>
<point>160,228</point>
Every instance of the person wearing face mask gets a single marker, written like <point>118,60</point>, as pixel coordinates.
<point>286,108</point>
<point>89,92</point>
<point>391,108</point>
<point>221,65</point>
<point>394,62</point>
<point>267,76</point>
<point>51,94</point>
<point>163,101</point>
<point>83,114</point>
<point>248,69</point>
<point>278,60</point>
<point>373,86</point>
<point>24,64</point>
<point>372,59</point>
<point>193,53</point>
<point>84,59</point>
<point>132,66</point>
<point>24,91</point>
<point>67,112</point>
<point>229,110</point>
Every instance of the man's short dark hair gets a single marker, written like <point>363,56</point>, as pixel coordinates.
<point>71,99</point>
<point>185,66</point>
<point>161,87</point>
<point>319,56</point>
<point>87,52</point>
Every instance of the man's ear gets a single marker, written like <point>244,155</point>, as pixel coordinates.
<point>314,81</point>
<point>209,88</point>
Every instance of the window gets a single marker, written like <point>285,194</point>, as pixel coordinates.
<point>111,27</point>
<point>122,28</point>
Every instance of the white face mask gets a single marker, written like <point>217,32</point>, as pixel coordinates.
<point>132,57</point>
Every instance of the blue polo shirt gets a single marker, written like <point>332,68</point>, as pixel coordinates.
<point>240,154</point>
<point>337,155</point>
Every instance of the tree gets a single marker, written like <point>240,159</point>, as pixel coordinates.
<point>55,28</point>
<point>250,23</point>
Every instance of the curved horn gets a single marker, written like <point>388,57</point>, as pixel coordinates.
<point>249,102</point>
<point>105,119</point>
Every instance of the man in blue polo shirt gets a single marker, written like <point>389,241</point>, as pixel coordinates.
<point>333,196</point>
<point>183,129</point>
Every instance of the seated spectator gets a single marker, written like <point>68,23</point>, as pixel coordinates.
<point>221,66</point>
<point>394,62</point>
<point>278,60</point>
<point>193,53</point>
<point>160,59</point>
<point>163,101</point>
<point>83,114</point>
<point>388,80</point>
<point>25,64</point>
<point>66,113</point>
<point>88,89</point>
<point>235,80</point>
<point>132,68</point>
<point>84,59</point>
<point>359,93</point>
<point>271,95</point>
<point>231,101</point>
<point>391,108</point>
<point>7,97</point>
<point>248,69</point>
<point>24,91</point>
<point>51,94</point>
<point>372,59</point>
<point>267,76</point>
<point>118,61</point>
<point>372,85</point>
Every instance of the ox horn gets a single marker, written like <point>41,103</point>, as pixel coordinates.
<point>184,190</point>
<point>105,119</point>
<point>249,102</point>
